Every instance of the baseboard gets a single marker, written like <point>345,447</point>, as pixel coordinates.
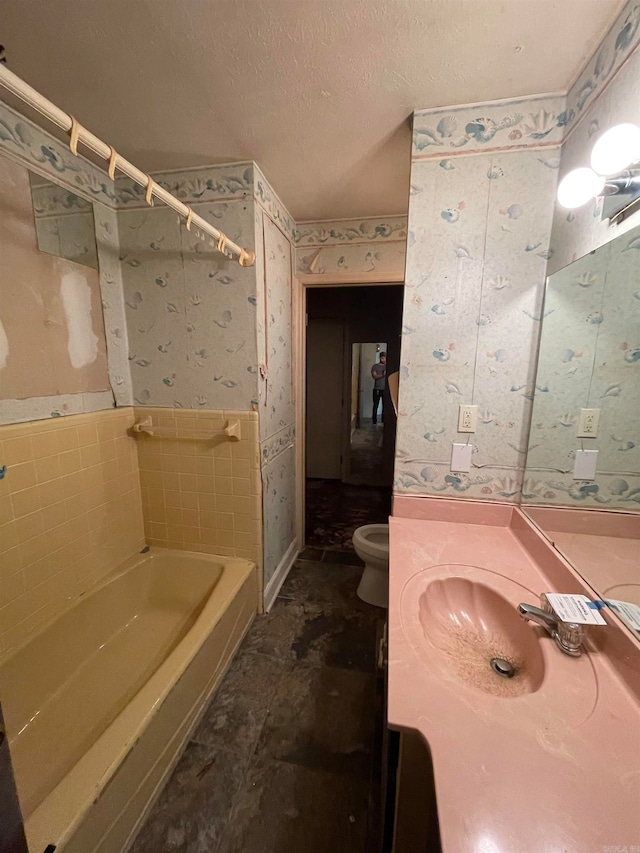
<point>272,589</point>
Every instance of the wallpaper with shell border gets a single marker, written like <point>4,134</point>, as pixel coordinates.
<point>350,246</point>
<point>477,251</point>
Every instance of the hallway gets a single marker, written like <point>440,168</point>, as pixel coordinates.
<point>286,758</point>
<point>334,510</point>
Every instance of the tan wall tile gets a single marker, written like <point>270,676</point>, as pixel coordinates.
<point>70,512</point>
<point>204,487</point>
<point>81,495</point>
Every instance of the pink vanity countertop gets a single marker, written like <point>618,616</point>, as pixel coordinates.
<point>555,769</point>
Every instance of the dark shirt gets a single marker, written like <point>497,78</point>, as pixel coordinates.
<point>379,371</point>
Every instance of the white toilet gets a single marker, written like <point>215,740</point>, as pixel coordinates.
<point>372,546</point>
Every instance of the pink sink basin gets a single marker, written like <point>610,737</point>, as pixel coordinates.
<point>462,624</point>
<point>481,637</point>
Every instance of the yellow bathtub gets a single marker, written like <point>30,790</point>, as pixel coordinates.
<point>98,705</point>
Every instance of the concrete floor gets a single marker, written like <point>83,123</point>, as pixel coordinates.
<point>286,758</point>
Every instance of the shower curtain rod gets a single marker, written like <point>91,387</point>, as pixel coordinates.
<point>22,90</point>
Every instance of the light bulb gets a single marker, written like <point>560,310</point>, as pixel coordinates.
<point>580,185</point>
<point>616,149</point>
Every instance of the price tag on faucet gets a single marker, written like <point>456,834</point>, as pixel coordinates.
<point>575,608</point>
<point>630,612</point>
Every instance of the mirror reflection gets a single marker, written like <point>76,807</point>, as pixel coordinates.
<point>64,222</point>
<point>368,400</point>
<point>582,479</point>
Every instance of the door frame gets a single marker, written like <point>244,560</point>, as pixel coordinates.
<point>300,283</point>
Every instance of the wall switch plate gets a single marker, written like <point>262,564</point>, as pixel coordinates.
<point>585,465</point>
<point>467,418</point>
<point>461,458</point>
<point>588,423</point>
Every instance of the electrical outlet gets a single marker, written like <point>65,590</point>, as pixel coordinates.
<point>467,418</point>
<point>588,423</point>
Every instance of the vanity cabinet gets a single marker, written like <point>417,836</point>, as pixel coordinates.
<point>415,824</point>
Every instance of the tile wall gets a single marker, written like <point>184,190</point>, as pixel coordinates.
<point>70,512</point>
<point>201,495</point>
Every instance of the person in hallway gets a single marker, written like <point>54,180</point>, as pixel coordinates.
<point>379,373</point>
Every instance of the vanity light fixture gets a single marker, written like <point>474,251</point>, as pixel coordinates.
<point>580,185</point>
<point>616,150</point>
<point>615,171</point>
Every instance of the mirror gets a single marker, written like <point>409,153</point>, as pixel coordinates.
<point>368,399</point>
<point>64,222</point>
<point>589,359</point>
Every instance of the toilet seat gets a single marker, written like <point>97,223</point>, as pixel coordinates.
<point>372,540</point>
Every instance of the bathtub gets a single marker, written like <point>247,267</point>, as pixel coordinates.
<point>98,705</point>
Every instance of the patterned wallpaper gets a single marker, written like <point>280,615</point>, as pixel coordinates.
<point>267,198</point>
<point>622,38</point>
<point>199,184</point>
<point>276,390</point>
<point>113,303</point>
<point>277,410</point>
<point>191,312</point>
<point>279,497</point>
<point>31,146</point>
<point>477,251</point>
<point>352,246</point>
<point>468,265</point>
<point>589,357</point>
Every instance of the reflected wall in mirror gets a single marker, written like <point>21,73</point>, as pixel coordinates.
<point>590,359</point>
<point>64,222</point>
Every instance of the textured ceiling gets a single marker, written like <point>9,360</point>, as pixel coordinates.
<point>318,92</point>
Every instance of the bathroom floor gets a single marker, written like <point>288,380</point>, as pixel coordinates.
<point>335,509</point>
<point>287,757</point>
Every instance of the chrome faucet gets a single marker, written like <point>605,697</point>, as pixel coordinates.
<point>569,636</point>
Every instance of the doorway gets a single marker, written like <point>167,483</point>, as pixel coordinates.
<point>349,458</point>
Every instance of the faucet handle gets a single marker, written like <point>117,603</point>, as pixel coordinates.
<point>570,635</point>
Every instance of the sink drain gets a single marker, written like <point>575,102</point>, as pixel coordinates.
<point>502,667</point>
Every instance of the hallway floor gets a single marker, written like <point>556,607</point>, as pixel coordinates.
<point>335,509</point>
<point>285,758</point>
<point>366,461</point>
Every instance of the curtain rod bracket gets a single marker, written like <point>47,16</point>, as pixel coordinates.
<point>113,162</point>
<point>74,135</point>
